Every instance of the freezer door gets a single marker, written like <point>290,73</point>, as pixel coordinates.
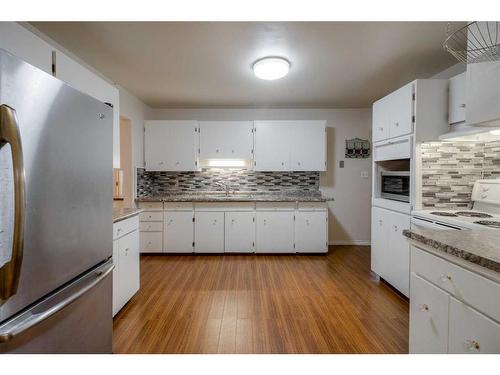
<point>66,143</point>
<point>76,319</point>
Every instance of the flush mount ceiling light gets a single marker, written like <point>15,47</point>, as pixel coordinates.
<point>495,132</point>
<point>271,68</point>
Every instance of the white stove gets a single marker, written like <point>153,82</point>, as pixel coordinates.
<point>485,212</point>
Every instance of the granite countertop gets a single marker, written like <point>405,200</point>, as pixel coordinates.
<point>239,196</point>
<point>481,247</point>
<point>120,214</point>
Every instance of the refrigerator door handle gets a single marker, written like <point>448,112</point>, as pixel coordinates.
<point>9,134</point>
<point>54,303</point>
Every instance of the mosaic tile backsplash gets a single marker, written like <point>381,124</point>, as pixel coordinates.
<point>449,170</point>
<point>158,183</point>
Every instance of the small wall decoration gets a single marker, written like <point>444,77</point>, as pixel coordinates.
<point>357,148</point>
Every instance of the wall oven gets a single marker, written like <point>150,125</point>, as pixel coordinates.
<point>395,185</point>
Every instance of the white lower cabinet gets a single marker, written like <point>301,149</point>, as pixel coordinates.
<point>239,233</point>
<point>311,231</point>
<point>209,232</point>
<point>471,331</point>
<point>126,275</point>
<point>274,232</point>
<point>429,322</point>
<point>390,257</point>
<point>444,318</point>
<point>178,233</point>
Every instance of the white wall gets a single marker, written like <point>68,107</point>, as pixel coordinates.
<point>350,212</point>
<point>136,111</point>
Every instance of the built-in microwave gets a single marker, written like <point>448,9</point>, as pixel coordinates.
<point>395,185</point>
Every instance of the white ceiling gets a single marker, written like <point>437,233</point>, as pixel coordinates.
<point>208,64</point>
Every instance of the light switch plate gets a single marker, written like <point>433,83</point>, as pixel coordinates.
<point>341,164</point>
<point>364,174</point>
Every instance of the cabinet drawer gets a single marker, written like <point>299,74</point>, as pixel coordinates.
<point>312,206</point>
<point>151,216</point>
<point>428,317</point>
<point>467,286</point>
<point>395,149</point>
<point>174,206</point>
<point>151,206</point>
<point>125,226</point>
<point>151,242</point>
<point>151,226</point>
<point>471,331</point>
<point>275,206</point>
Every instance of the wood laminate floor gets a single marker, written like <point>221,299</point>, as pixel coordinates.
<point>262,304</point>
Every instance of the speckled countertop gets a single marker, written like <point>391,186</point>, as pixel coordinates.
<point>120,214</point>
<point>481,247</point>
<point>239,196</point>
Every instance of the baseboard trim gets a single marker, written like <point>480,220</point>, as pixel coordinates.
<point>350,242</point>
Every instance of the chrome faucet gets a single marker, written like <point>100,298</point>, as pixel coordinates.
<point>223,186</point>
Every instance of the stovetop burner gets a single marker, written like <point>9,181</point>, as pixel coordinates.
<point>443,213</point>
<point>473,214</point>
<point>489,223</point>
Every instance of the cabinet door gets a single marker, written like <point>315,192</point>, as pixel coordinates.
<point>397,271</point>
<point>117,305</point>
<point>428,317</point>
<point>181,146</point>
<point>128,248</point>
<point>483,93</point>
<point>226,139</point>
<point>209,232</point>
<point>456,99</point>
<point>240,232</point>
<point>171,145</point>
<point>275,232</point>
<point>155,135</point>
<point>380,128</point>
<point>151,242</point>
<point>471,331</point>
<point>272,145</point>
<point>178,232</point>
<point>379,241</point>
<point>27,46</point>
<point>308,151</point>
<point>400,104</point>
<point>311,232</point>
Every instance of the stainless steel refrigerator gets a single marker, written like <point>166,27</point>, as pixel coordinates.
<point>55,215</point>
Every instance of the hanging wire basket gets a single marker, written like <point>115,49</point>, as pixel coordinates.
<point>475,42</point>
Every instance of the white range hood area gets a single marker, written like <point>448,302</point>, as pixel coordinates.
<point>482,111</point>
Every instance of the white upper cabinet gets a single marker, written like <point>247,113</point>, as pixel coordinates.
<point>171,145</point>
<point>22,43</point>
<point>272,146</point>
<point>456,99</point>
<point>290,146</point>
<point>308,152</point>
<point>226,139</point>
<point>417,108</point>
<point>392,115</point>
<point>483,93</point>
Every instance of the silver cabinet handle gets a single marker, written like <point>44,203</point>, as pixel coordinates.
<point>473,345</point>
<point>424,307</point>
<point>48,307</point>
<point>445,278</point>
<point>9,134</point>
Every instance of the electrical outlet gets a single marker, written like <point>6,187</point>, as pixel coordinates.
<point>364,174</point>
<point>341,164</point>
